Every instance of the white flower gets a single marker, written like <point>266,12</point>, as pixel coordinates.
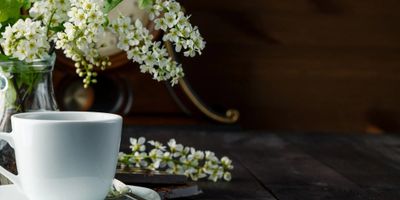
<point>210,156</point>
<point>138,144</point>
<point>153,58</point>
<point>87,5</point>
<point>149,59</point>
<point>216,174</point>
<point>155,11</point>
<point>174,7</point>
<point>135,54</point>
<point>186,151</point>
<point>176,149</point>
<point>121,155</point>
<point>190,53</point>
<point>156,157</point>
<point>161,23</point>
<point>123,43</point>
<point>147,69</point>
<point>138,159</point>
<point>199,155</point>
<point>177,169</point>
<point>155,154</point>
<point>172,35</point>
<point>25,40</point>
<point>171,19</point>
<point>70,31</point>
<point>154,165</point>
<point>50,11</point>
<point>157,145</point>
<point>167,160</point>
<point>177,28</point>
<point>226,163</point>
<point>227,176</point>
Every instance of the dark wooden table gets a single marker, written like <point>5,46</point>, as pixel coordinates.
<point>282,166</point>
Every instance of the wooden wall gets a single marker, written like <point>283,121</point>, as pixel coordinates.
<point>319,65</point>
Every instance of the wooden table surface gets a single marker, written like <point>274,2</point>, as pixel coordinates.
<point>272,166</point>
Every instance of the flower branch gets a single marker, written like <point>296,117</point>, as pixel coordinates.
<point>176,159</point>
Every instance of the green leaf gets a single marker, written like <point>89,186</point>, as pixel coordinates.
<point>26,4</point>
<point>10,95</point>
<point>59,28</point>
<point>9,9</point>
<point>107,22</point>
<point>143,4</point>
<point>110,4</point>
<point>4,57</point>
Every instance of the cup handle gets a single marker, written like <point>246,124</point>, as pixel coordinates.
<point>8,137</point>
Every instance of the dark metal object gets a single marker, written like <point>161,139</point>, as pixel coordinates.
<point>231,116</point>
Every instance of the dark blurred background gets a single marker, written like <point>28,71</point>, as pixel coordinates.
<point>286,65</point>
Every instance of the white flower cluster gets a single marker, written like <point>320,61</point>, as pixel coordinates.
<point>153,58</point>
<point>76,26</point>
<point>52,12</point>
<point>169,17</point>
<point>176,159</point>
<point>25,40</point>
<point>81,35</point>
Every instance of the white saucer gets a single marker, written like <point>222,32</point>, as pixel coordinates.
<point>11,192</point>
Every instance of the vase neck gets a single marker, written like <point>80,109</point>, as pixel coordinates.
<point>17,66</point>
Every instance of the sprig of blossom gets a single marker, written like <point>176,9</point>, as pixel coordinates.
<point>169,17</point>
<point>25,40</point>
<point>52,12</point>
<point>153,58</point>
<point>80,39</point>
<point>176,159</point>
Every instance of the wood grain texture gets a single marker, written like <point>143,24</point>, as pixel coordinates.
<point>370,162</point>
<point>293,166</point>
<point>291,173</point>
<point>301,65</point>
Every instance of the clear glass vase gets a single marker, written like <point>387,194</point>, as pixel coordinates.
<point>24,87</point>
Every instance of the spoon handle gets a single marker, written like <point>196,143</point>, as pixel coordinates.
<point>132,196</point>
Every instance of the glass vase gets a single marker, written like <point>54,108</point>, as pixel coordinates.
<point>24,87</point>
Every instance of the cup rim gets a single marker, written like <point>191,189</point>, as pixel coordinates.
<point>29,116</point>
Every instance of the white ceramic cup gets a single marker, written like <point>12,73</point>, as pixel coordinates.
<point>64,155</point>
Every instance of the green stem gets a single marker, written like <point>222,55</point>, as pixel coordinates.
<point>24,89</point>
<point>51,18</point>
<point>1,50</point>
<point>17,99</point>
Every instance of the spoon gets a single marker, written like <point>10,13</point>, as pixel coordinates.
<point>119,190</point>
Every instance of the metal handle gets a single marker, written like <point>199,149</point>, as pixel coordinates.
<point>231,116</point>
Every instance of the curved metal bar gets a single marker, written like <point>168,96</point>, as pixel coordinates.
<point>231,115</point>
